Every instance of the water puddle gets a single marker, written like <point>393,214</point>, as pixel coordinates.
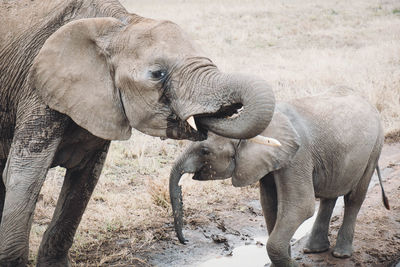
<point>248,255</point>
<point>255,253</point>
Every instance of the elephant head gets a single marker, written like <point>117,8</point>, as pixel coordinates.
<point>220,158</point>
<point>110,75</point>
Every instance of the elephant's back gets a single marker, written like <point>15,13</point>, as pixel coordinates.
<point>24,28</point>
<point>19,16</point>
<point>340,113</point>
<point>342,131</point>
<point>340,122</point>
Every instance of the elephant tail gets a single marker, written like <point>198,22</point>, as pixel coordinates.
<point>384,198</point>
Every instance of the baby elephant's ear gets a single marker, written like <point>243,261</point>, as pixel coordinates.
<point>254,161</point>
<point>72,75</point>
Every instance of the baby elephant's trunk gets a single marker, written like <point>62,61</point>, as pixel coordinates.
<point>175,194</point>
<point>189,162</point>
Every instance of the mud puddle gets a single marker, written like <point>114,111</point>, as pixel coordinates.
<point>256,249</point>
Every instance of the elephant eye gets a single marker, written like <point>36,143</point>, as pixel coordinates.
<point>158,74</point>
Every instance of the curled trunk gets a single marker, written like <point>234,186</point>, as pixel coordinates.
<point>248,109</point>
<point>230,105</point>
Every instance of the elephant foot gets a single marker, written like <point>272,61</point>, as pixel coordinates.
<point>316,247</point>
<point>54,262</point>
<point>342,252</point>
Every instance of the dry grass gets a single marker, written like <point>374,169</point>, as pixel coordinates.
<point>299,47</point>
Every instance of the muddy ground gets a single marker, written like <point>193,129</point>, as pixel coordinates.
<point>376,242</point>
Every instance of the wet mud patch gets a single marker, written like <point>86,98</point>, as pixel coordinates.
<point>218,238</point>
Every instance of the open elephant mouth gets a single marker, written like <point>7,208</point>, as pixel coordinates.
<point>200,175</point>
<point>195,127</point>
<point>206,174</point>
<point>180,129</point>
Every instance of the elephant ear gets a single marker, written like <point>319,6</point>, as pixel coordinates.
<point>254,161</point>
<point>72,75</point>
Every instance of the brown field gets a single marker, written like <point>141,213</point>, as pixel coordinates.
<point>299,47</point>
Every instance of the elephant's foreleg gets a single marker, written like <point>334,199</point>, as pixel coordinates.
<point>35,141</point>
<point>269,201</point>
<point>318,240</point>
<point>352,202</point>
<point>78,186</point>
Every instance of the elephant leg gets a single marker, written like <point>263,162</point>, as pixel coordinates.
<point>269,201</point>
<point>36,139</point>
<point>318,240</point>
<point>352,202</point>
<point>296,203</point>
<point>76,191</point>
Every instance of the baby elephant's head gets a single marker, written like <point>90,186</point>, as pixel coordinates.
<point>246,162</point>
<point>212,159</point>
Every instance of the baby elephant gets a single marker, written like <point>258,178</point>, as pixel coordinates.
<point>330,146</point>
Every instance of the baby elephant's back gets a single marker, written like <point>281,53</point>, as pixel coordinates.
<point>344,134</point>
<point>341,115</point>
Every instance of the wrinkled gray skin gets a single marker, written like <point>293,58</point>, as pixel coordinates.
<point>330,147</point>
<point>81,73</point>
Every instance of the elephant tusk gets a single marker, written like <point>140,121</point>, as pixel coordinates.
<point>268,141</point>
<point>191,122</point>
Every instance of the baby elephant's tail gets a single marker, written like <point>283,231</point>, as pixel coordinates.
<point>385,199</point>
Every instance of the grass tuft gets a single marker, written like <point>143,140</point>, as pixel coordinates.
<point>158,189</point>
<point>392,137</point>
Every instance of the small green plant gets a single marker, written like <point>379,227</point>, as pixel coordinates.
<point>333,12</point>
<point>396,11</point>
<point>113,226</point>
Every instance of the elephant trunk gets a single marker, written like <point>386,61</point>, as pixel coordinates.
<point>189,162</point>
<point>250,109</point>
<point>230,105</point>
<point>175,194</point>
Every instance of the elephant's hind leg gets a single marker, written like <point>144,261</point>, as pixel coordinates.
<point>76,191</point>
<point>318,240</point>
<point>352,201</point>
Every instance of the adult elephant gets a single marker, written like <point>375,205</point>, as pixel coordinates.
<point>84,74</point>
<point>330,146</point>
